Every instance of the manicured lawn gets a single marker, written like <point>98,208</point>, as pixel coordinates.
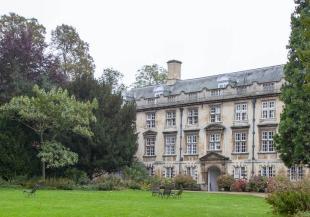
<point>52,203</point>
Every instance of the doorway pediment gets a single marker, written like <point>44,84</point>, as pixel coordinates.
<point>213,156</point>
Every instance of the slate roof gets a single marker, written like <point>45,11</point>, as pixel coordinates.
<point>239,78</point>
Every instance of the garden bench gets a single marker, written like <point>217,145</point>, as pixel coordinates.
<point>166,192</point>
<point>156,191</point>
<point>32,191</point>
<point>177,194</point>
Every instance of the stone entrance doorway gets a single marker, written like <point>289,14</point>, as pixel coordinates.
<point>213,173</point>
<point>212,165</point>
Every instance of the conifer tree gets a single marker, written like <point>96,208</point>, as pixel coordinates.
<point>293,138</point>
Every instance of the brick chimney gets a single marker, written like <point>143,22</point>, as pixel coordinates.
<point>174,71</point>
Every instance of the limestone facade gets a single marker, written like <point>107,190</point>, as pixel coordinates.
<point>224,126</point>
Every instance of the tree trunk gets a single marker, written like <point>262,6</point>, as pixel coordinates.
<point>43,171</point>
<point>43,163</point>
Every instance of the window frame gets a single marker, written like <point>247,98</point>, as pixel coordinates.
<point>214,144</point>
<point>298,173</point>
<point>240,172</point>
<point>192,144</point>
<point>240,144</point>
<point>216,115</point>
<point>267,143</point>
<point>268,111</point>
<point>170,119</point>
<point>192,116</point>
<point>170,147</point>
<point>170,171</point>
<point>241,114</point>
<point>150,121</point>
<point>149,147</point>
<point>268,171</point>
<point>192,171</point>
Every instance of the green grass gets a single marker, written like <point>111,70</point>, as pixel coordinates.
<point>55,203</point>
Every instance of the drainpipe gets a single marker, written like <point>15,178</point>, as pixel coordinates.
<point>181,135</point>
<point>253,136</point>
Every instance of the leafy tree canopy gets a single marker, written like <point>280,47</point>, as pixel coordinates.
<point>48,114</point>
<point>23,61</point>
<point>72,51</point>
<point>150,75</point>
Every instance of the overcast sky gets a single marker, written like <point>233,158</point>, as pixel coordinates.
<point>208,36</point>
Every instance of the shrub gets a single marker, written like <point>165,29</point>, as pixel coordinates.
<point>239,185</point>
<point>302,214</point>
<point>109,183</point>
<point>59,183</point>
<point>3,182</point>
<point>107,186</point>
<point>31,182</point>
<point>167,183</point>
<point>184,182</point>
<point>134,185</point>
<point>292,199</point>
<point>289,202</point>
<point>278,183</point>
<point>137,172</point>
<point>18,180</point>
<point>78,176</point>
<point>257,184</point>
<point>153,180</point>
<point>224,182</point>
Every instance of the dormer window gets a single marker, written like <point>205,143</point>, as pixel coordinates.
<point>192,96</point>
<point>171,98</point>
<point>241,90</point>
<point>150,101</point>
<point>216,92</point>
<point>268,86</point>
<point>222,81</point>
<point>159,90</point>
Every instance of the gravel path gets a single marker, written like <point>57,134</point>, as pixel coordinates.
<point>237,193</point>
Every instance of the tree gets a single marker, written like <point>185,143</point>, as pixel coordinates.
<point>48,114</point>
<point>113,78</point>
<point>72,51</point>
<point>293,138</point>
<point>23,61</point>
<point>114,142</point>
<point>150,75</point>
<point>17,157</point>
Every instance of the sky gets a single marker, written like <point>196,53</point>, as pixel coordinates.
<point>208,36</point>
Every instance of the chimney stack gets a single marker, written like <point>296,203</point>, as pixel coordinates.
<point>174,71</point>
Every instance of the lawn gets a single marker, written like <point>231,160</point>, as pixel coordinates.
<point>55,203</point>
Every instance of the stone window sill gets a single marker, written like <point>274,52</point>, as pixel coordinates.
<point>150,156</point>
<point>268,119</point>
<point>169,155</point>
<point>217,150</point>
<point>190,154</point>
<point>170,127</point>
<point>266,152</point>
<point>240,153</point>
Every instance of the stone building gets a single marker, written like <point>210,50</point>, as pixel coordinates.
<point>208,126</point>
